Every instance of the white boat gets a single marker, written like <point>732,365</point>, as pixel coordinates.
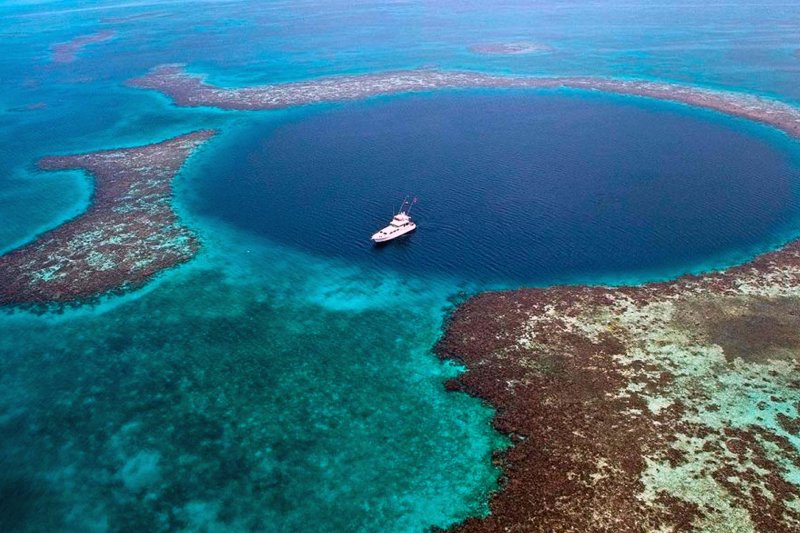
<point>401,224</point>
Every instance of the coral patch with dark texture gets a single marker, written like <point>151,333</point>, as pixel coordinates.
<point>191,90</point>
<point>518,48</point>
<point>128,234</point>
<point>667,406</point>
<point>68,51</point>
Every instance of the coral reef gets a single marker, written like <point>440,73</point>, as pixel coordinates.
<point>669,406</point>
<point>127,235</point>
<point>68,51</point>
<point>191,90</point>
<point>518,48</point>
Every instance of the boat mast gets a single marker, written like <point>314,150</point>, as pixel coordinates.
<point>403,205</point>
<point>410,205</point>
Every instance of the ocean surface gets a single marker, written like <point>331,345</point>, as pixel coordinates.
<point>283,380</point>
<point>512,187</point>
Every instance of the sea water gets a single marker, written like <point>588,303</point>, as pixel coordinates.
<point>283,379</point>
<point>515,187</point>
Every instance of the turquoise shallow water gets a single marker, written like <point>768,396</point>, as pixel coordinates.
<point>263,385</point>
<point>243,392</point>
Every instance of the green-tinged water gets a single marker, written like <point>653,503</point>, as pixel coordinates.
<point>254,389</point>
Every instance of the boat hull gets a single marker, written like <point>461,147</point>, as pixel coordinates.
<point>380,239</point>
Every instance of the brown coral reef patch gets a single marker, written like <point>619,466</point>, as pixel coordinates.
<point>191,90</point>
<point>128,234</point>
<point>517,48</point>
<point>669,406</point>
<point>68,51</point>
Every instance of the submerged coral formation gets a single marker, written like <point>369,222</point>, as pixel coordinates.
<point>671,405</point>
<point>127,235</point>
<point>255,390</point>
<point>68,51</point>
<point>191,90</point>
<point>518,48</point>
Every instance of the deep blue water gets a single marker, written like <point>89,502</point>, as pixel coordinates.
<point>513,187</point>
